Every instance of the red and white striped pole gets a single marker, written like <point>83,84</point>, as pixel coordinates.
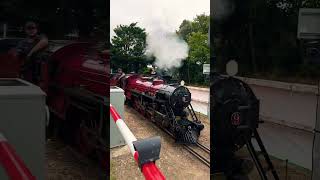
<point>149,170</point>
<point>12,163</point>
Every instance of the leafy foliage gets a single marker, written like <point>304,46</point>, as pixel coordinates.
<point>199,49</point>
<point>128,48</point>
<point>262,37</point>
<point>129,41</point>
<point>185,29</point>
<point>199,24</point>
<point>195,33</point>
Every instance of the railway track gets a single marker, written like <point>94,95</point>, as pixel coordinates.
<point>205,150</point>
<point>190,148</point>
<point>204,156</point>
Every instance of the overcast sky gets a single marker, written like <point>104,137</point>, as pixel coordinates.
<point>167,13</point>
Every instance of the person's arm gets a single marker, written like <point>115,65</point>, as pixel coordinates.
<point>43,43</point>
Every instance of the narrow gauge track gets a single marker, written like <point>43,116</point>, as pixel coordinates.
<point>195,153</point>
<point>192,151</point>
<point>205,148</point>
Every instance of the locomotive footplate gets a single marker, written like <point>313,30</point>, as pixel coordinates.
<point>148,150</point>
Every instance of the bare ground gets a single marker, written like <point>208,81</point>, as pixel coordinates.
<point>64,163</point>
<point>175,162</point>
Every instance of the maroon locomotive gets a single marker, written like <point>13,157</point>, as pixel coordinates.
<point>75,77</point>
<point>168,105</point>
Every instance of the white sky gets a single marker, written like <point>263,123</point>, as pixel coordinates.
<point>167,13</point>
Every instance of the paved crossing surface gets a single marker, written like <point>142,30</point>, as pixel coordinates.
<point>200,99</point>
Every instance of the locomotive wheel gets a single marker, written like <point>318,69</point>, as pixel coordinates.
<point>136,104</point>
<point>69,126</point>
<point>88,139</point>
<point>83,139</point>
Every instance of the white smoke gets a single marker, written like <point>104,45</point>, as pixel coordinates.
<point>160,19</point>
<point>168,49</point>
<point>146,11</point>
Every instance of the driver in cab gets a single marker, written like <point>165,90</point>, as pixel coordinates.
<point>29,47</point>
<point>33,43</point>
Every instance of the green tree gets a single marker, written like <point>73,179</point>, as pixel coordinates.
<point>199,49</point>
<point>199,24</point>
<point>195,33</point>
<point>129,41</point>
<point>185,29</point>
<point>128,48</point>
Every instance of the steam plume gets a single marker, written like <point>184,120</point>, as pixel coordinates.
<point>168,49</point>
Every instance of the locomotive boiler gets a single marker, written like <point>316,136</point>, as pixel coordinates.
<point>169,106</point>
<point>75,77</point>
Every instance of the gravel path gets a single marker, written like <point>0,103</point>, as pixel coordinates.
<point>63,163</point>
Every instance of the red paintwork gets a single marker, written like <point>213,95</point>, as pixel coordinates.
<point>149,170</point>
<point>115,115</point>
<point>10,68</point>
<point>12,163</point>
<point>79,65</point>
<point>9,63</point>
<point>143,85</point>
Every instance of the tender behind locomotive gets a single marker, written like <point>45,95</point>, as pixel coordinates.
<point>169,106</point>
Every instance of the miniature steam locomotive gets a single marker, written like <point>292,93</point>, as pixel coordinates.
<point>75,77</point>
<point>167,105</point>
